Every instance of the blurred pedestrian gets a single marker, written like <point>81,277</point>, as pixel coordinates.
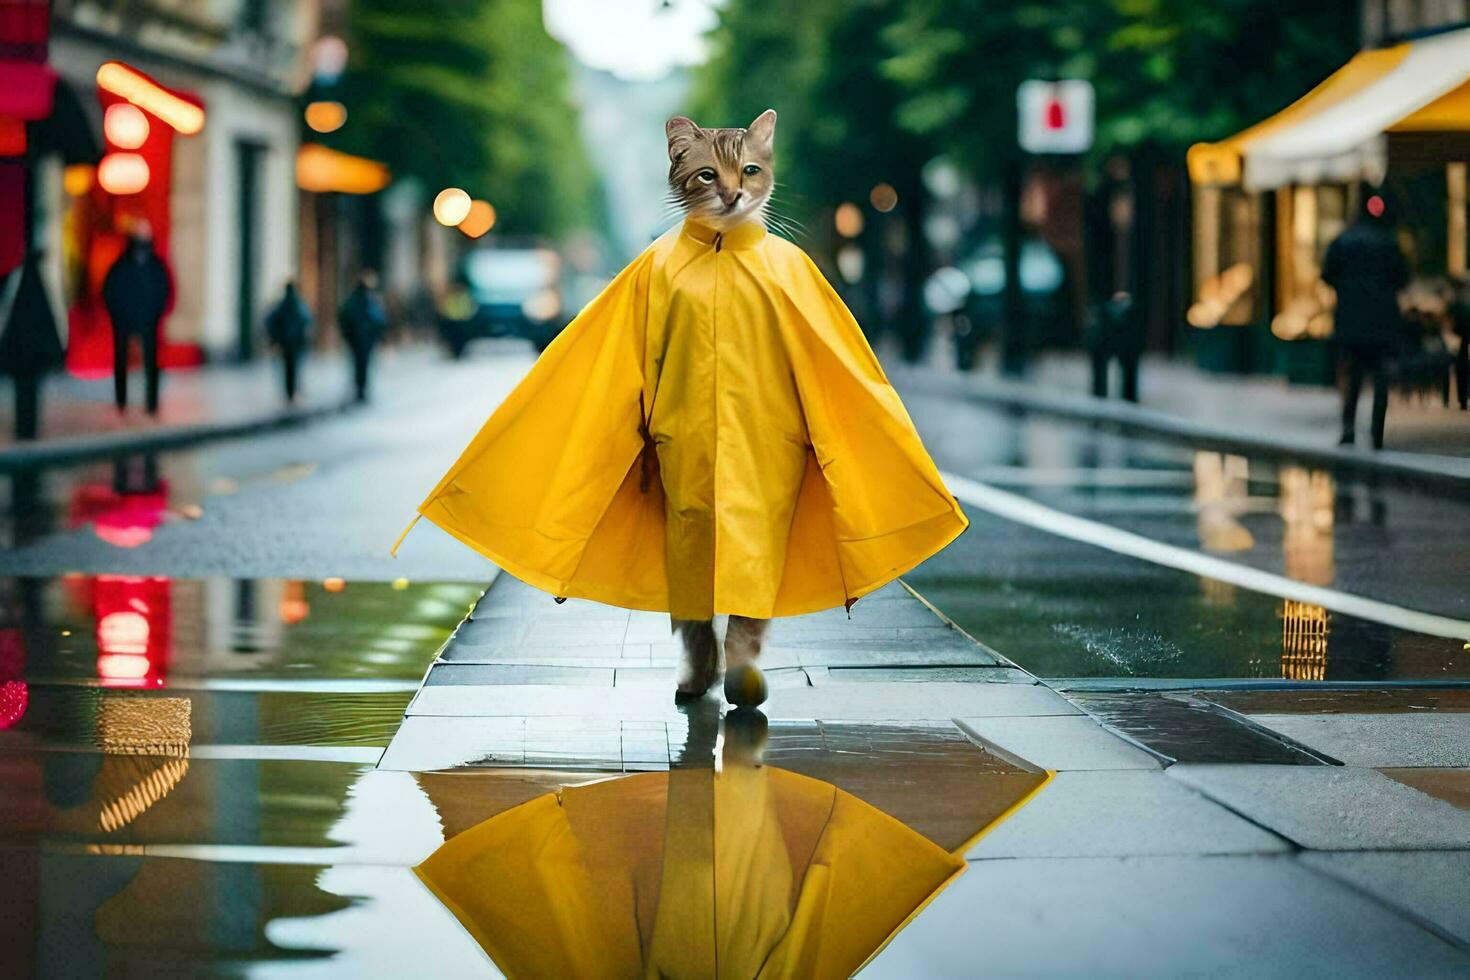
<point>363,322</point>
<point>136,293</point>
<point>289,327</point>
<point>1459,309</point>
<point>1367,269</point>
<point>29,345</point>
<point>1114,331</point>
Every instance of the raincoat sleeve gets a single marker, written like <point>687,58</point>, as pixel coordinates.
<point>531,487</point>
<point>890,508</point>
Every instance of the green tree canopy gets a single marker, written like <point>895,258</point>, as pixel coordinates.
<point>868,86</point>
<point>472,93</point>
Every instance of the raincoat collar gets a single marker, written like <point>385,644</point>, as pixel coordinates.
<point>741,236</point>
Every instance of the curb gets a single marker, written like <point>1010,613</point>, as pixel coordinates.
<point>77,449</point>
<point>1446,470</point>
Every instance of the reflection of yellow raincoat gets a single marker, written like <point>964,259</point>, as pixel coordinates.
<point>781,475</point>
<point>748,872</point>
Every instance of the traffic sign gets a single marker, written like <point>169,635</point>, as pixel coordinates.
<point>1055,117</point>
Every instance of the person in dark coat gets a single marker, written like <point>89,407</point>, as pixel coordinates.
<point>1115,331</point>
<point>363,322</point>
<point>1366,268</point>
<point>29,343</point>
<point>1460,324</point>
<point>289,327</point>
<point>136,293</point>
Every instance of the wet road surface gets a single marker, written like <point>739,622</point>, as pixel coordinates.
<point>220,752</point>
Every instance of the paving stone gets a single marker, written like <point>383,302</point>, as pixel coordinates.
<point>1159,917</point>
<point>522,700</point>
<point>590,655</point>
<point>452,673</point>
<point>859,652</point>
<point>1060,743</point>
<point>1450,785</point>
<point>1432,885</point>
<point>1332,808</point>
<point>1119,814</point>
<point>1411,739</point>
<point>901,701</point>
<point>925,675</point>
<point>429,743</point>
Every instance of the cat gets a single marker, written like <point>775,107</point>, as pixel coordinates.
<point>723,178</point>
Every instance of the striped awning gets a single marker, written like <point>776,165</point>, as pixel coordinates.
<point>1338,131</point>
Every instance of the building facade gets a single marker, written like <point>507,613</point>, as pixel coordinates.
<point>230,208</point>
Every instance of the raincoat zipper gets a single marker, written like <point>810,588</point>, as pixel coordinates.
<point>714,329</point>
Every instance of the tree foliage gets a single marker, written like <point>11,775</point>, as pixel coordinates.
<point>472,93</point>
<point>865,86</point>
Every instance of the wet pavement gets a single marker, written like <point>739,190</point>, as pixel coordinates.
<point>1066,608</point>
<point>237,739</point>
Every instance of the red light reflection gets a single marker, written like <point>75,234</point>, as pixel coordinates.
<point>134,629</point>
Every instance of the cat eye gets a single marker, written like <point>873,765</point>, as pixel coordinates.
<point>751,170</point>
<point>706,176</point>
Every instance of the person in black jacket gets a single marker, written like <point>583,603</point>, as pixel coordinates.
<point>363,323</point>
<point>289,327</point>
<point>1114,330</point>
<point>29,343</point>
<point>136,293</point>
<point>1366,268</point>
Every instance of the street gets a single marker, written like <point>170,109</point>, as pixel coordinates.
<point>207,763</point>
<point>732,488</point>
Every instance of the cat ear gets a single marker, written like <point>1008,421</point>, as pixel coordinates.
<point>681,131</point>
<point>763,131</point>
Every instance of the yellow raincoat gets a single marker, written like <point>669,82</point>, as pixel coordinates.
<point>712,434</point>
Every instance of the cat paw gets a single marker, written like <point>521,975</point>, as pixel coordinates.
<point>745,686</point>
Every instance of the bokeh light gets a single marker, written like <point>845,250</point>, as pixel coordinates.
<point>125,126</point>
<point>77,179</point>
<point>334,584</point>
<point>143,92</point>
<point>122,173</point>
<point>451,206</point>
<point>883,197</point>
<point>326,117</point>
<point>481,218</point>
<point>848,220</point>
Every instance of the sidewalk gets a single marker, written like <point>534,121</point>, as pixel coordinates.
<point>1084,851</point>
<point>79,419</point>
<point>1251,414</point>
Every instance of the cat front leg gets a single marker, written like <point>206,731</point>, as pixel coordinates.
<point>701,656</point>
<point>744,684</point>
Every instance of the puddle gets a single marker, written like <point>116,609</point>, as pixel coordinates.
<point>1186,730</point>
<point>1063,609</point>
<point>144,632</point>
<point>802,847</point>
<point>1327,702</point>
<point>736,860</point>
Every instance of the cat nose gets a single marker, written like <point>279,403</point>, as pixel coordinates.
<point>730,197</point>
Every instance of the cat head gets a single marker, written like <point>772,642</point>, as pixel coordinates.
<point>722,177</point>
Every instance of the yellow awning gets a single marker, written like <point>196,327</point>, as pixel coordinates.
<point>320,170</point>
<point>1336,131</point>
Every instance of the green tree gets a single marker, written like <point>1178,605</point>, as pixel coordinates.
<point>472,93</point>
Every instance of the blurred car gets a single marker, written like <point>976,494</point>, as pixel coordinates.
<point>512,291</point>
<point>1043,298</point>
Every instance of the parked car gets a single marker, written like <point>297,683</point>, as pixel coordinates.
<point>513,291</point>
<point>1043,298</point>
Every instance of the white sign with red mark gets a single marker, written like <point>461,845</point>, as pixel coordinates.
<point>1055,117</point>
